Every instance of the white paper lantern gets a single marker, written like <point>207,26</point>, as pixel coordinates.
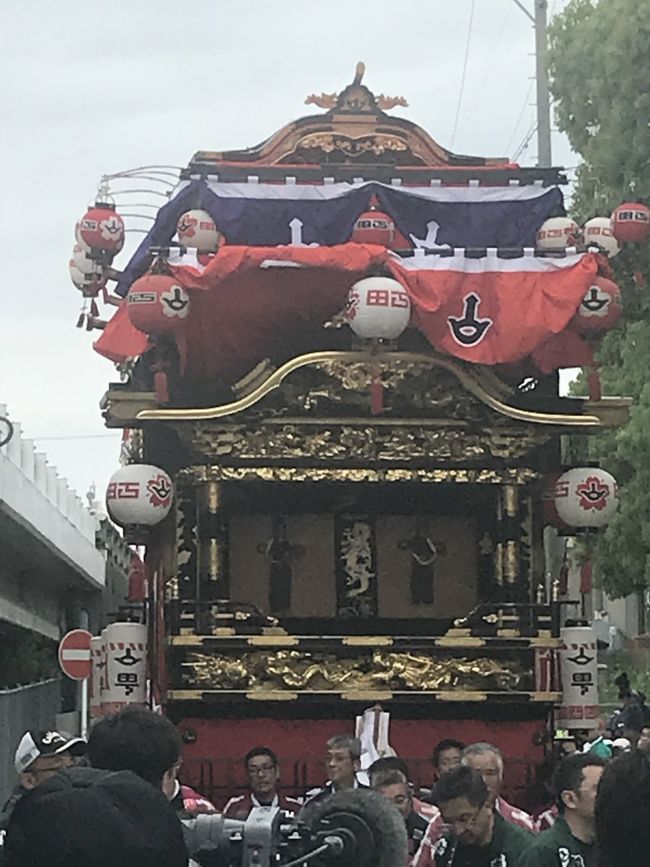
<point>579,675</point>
<point>90,281</point>
<point>126,666</point>
<point>378,307</point>
<point>139,495</point>
<point>586,497</point>
<point>599,231</point>
<point>197,229</point>
<point>84,262</point>
<point>558,233</point>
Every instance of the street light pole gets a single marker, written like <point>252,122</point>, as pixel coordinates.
<point>544,157</point>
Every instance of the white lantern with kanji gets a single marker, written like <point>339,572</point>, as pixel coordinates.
<point>378,308</point>
<point>558,233</point>
<point>599,231</point>
<point>600,307</point>
<point>125,679</point>
<point>139,495</point>
<point>87,275</point>
<point>197,229</point>
<point>579,676</point>
<point>586,497</point>
<point>102,228</point>
<point>631,222</point>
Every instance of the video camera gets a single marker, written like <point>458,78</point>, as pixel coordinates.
<point>357,828</point>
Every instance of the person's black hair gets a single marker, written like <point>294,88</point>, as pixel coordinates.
<point>135,739</point>
<point>622,810</point>
<point>388,777</point>
<point>445,744</point>
<point>569,774</point>
<point>388,763</point>
<point>261,751</point>
<point>461,782</point>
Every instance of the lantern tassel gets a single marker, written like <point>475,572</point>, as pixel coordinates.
<point>161,386</point>
<point>376,393</point>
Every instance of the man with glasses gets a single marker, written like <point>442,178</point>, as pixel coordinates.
<point>478,835</point>
<point>263,772</point>
<point>343,763</point>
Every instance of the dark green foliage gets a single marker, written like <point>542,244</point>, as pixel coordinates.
<point>600,67</point>
<point>26,657</point>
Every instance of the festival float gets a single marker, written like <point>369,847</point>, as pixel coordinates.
<point>339,356</point>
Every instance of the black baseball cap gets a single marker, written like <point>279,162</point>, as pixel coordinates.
<point>35,744</point>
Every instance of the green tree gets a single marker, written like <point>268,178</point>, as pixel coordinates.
<point>600,71</point>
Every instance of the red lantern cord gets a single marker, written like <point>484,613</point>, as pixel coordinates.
<point>161,386</point>
<point>376,395</point>
<point>594,384</point>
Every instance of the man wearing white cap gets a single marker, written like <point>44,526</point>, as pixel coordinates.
<point>39,755</point>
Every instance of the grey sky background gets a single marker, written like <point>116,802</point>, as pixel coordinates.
<point>92,88</point>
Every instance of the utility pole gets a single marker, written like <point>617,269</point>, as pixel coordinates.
<point>544,158</point>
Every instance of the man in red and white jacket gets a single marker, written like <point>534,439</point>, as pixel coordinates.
<point>488,761</point>
<point>263,772</point>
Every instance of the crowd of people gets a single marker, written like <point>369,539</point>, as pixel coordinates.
<point>116,801</point>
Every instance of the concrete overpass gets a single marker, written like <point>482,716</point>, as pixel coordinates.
<point>50,569</point>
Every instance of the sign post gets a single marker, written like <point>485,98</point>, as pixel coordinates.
<point>75,662</point>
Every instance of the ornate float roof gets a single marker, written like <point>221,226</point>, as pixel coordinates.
<point>354,133</point>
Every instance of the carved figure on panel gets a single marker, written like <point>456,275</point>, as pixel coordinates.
<point>424,554</point>
<point>280,552</point>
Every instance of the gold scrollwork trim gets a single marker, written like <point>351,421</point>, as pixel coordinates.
<point>469,380</point>
<point>514,475</point>
<point>315,672</point>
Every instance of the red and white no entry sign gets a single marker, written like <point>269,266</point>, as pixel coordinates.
<point>74,654</point>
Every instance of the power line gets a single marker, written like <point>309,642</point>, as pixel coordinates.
<point>79,437</point>
<point>522,147</point>
<point>521,114</point>
<point>462,79</point>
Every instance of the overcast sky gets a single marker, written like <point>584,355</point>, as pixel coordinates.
<point>90,89</point>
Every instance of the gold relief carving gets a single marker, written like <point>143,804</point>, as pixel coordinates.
<point>514,475</point>
<point>373,442</point>
<point>387,102</point>
<point>322,100</point>
<point>352,147</point>
<point>322,672</point>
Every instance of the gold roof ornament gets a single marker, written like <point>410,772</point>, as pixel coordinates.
<point>356,98</point>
